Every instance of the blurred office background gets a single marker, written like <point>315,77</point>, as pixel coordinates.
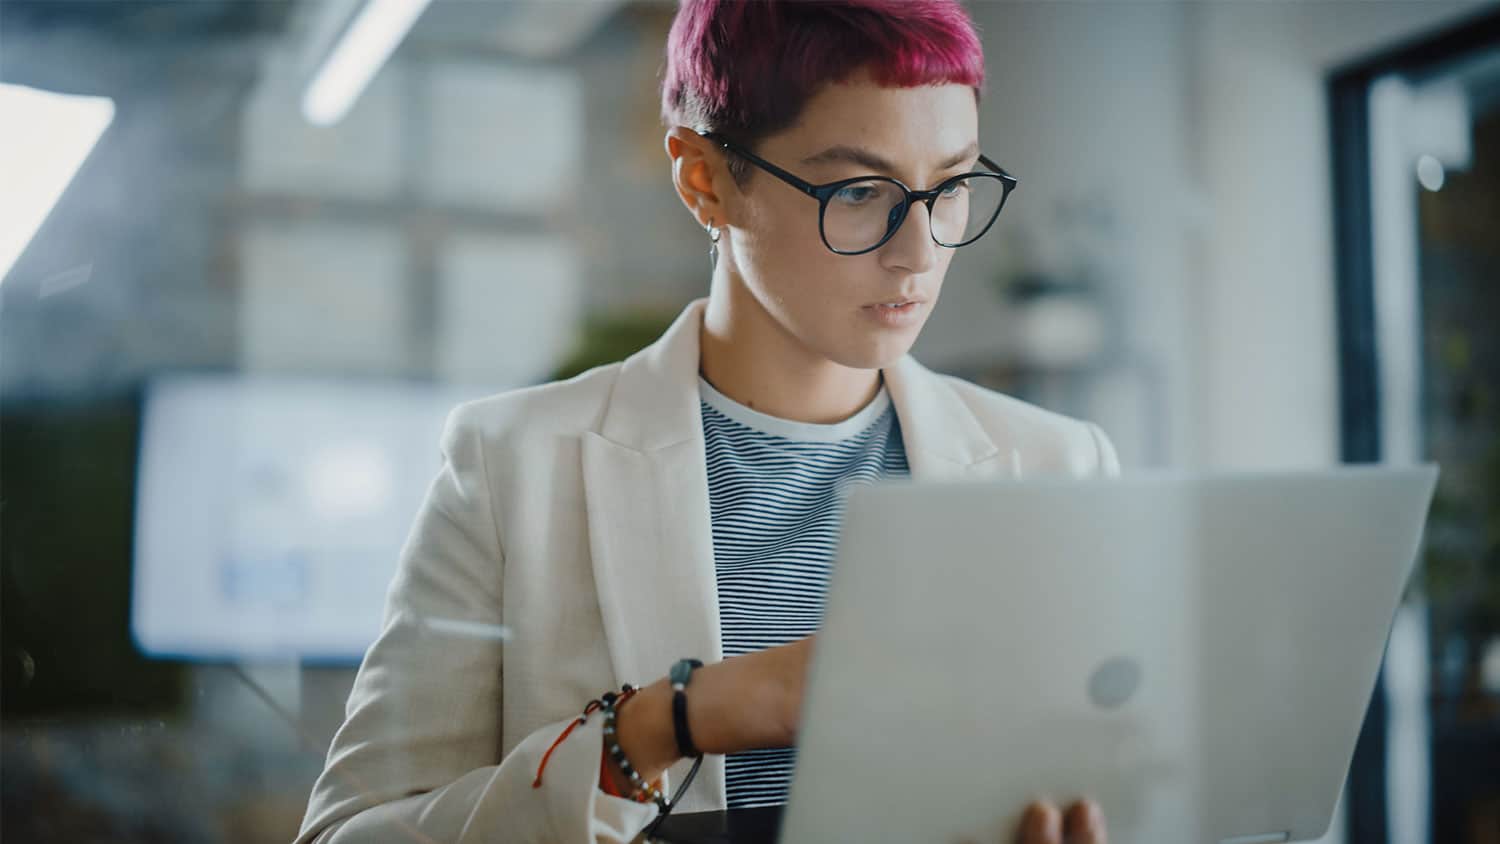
<point>1247,235</point>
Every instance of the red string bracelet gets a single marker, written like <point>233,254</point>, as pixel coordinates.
<point>606,779</point>
<point>626,692</point>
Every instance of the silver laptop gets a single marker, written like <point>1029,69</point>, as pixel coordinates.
<point>1196,653</point>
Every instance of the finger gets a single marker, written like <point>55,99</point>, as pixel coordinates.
<point>1042,824</point>
<point>1084,824</point>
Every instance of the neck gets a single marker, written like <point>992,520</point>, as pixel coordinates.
<point>749,357</point>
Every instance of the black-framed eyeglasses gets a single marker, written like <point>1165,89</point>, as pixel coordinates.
<point>859,215</point>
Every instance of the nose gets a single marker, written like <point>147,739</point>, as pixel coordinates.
<point>911,248</point>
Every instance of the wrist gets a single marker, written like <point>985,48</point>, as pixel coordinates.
<point>738,704</point>
<point>645,732</point>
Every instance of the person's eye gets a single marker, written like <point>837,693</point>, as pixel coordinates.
<point>955,189</point>
<point>857,194</point>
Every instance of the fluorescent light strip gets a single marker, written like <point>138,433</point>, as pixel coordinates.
<point>374,34</point>
<point>47,137</point>
<point>470,629</point>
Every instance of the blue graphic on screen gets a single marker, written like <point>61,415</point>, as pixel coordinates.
<point>271,512</point>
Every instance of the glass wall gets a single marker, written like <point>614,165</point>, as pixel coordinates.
<point>242,289</point>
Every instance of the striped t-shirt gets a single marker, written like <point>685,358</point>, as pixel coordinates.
<point>775,492</point>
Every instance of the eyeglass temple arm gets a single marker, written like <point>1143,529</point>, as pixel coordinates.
<point>986,161</point>
<point>800,184</point>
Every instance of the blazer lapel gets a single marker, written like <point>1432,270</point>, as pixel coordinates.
<point>646,491</point>
<point>943,439</point>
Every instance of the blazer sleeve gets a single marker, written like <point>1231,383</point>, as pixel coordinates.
<point>417,757</point>
<point>1108,464</point>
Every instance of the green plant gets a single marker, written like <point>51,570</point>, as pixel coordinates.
<point>611,336</point>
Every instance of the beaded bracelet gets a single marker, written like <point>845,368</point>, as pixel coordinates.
<point>608,702</point>
<point>650,792</point>
<point>626,691</point>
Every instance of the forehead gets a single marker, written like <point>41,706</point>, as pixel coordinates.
<point>912,126</point>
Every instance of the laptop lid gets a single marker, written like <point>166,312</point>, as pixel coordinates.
<point>1196,653</point>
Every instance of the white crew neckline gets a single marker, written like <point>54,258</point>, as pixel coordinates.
<point>791,429</point>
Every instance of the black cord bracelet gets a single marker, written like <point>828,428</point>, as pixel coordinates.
<point>681,675</point>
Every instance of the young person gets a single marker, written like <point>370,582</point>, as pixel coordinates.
<point>685,502</point>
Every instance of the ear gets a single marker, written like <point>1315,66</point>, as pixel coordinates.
<point>700,174</point>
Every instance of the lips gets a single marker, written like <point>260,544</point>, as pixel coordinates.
<point>895,303</point>
<point>895,313</point>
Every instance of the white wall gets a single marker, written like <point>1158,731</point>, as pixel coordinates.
<point>1200,129</point>
<point>1267,388</point>
<point>1087,104</point>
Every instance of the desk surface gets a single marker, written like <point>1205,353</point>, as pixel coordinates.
<point>738,826</point>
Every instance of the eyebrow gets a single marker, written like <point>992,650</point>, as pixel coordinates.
<point>866,158</point>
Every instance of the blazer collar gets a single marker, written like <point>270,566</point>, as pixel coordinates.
<point>655,399</point>
<point>655,404</point>
<point>943,438</point>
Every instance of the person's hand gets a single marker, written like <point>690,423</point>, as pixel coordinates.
<point>743,703</point>
<point>1043,823</point>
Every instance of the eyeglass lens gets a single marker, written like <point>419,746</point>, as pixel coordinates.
<point>859,215</point>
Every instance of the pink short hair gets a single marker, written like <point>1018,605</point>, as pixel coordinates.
<point>747,67</point>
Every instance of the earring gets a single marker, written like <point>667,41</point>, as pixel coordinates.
<point>713,242</point>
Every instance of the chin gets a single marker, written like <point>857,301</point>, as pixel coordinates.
<point>873,352</point>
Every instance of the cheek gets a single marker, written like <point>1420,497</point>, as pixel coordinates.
<point>940,271</point>
<point>781,253</point>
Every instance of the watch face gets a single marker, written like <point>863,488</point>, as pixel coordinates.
<point>1114,682</point>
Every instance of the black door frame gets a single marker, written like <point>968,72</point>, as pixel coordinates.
<point>1354,266</point>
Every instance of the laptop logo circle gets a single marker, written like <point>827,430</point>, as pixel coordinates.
<point>1114,682</point>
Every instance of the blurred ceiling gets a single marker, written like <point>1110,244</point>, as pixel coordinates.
<point>534,29</point>
<point>150,19</point>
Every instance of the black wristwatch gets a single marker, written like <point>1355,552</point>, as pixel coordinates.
<point>681,675</point>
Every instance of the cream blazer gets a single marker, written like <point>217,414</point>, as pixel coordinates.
<point>576,513</point>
